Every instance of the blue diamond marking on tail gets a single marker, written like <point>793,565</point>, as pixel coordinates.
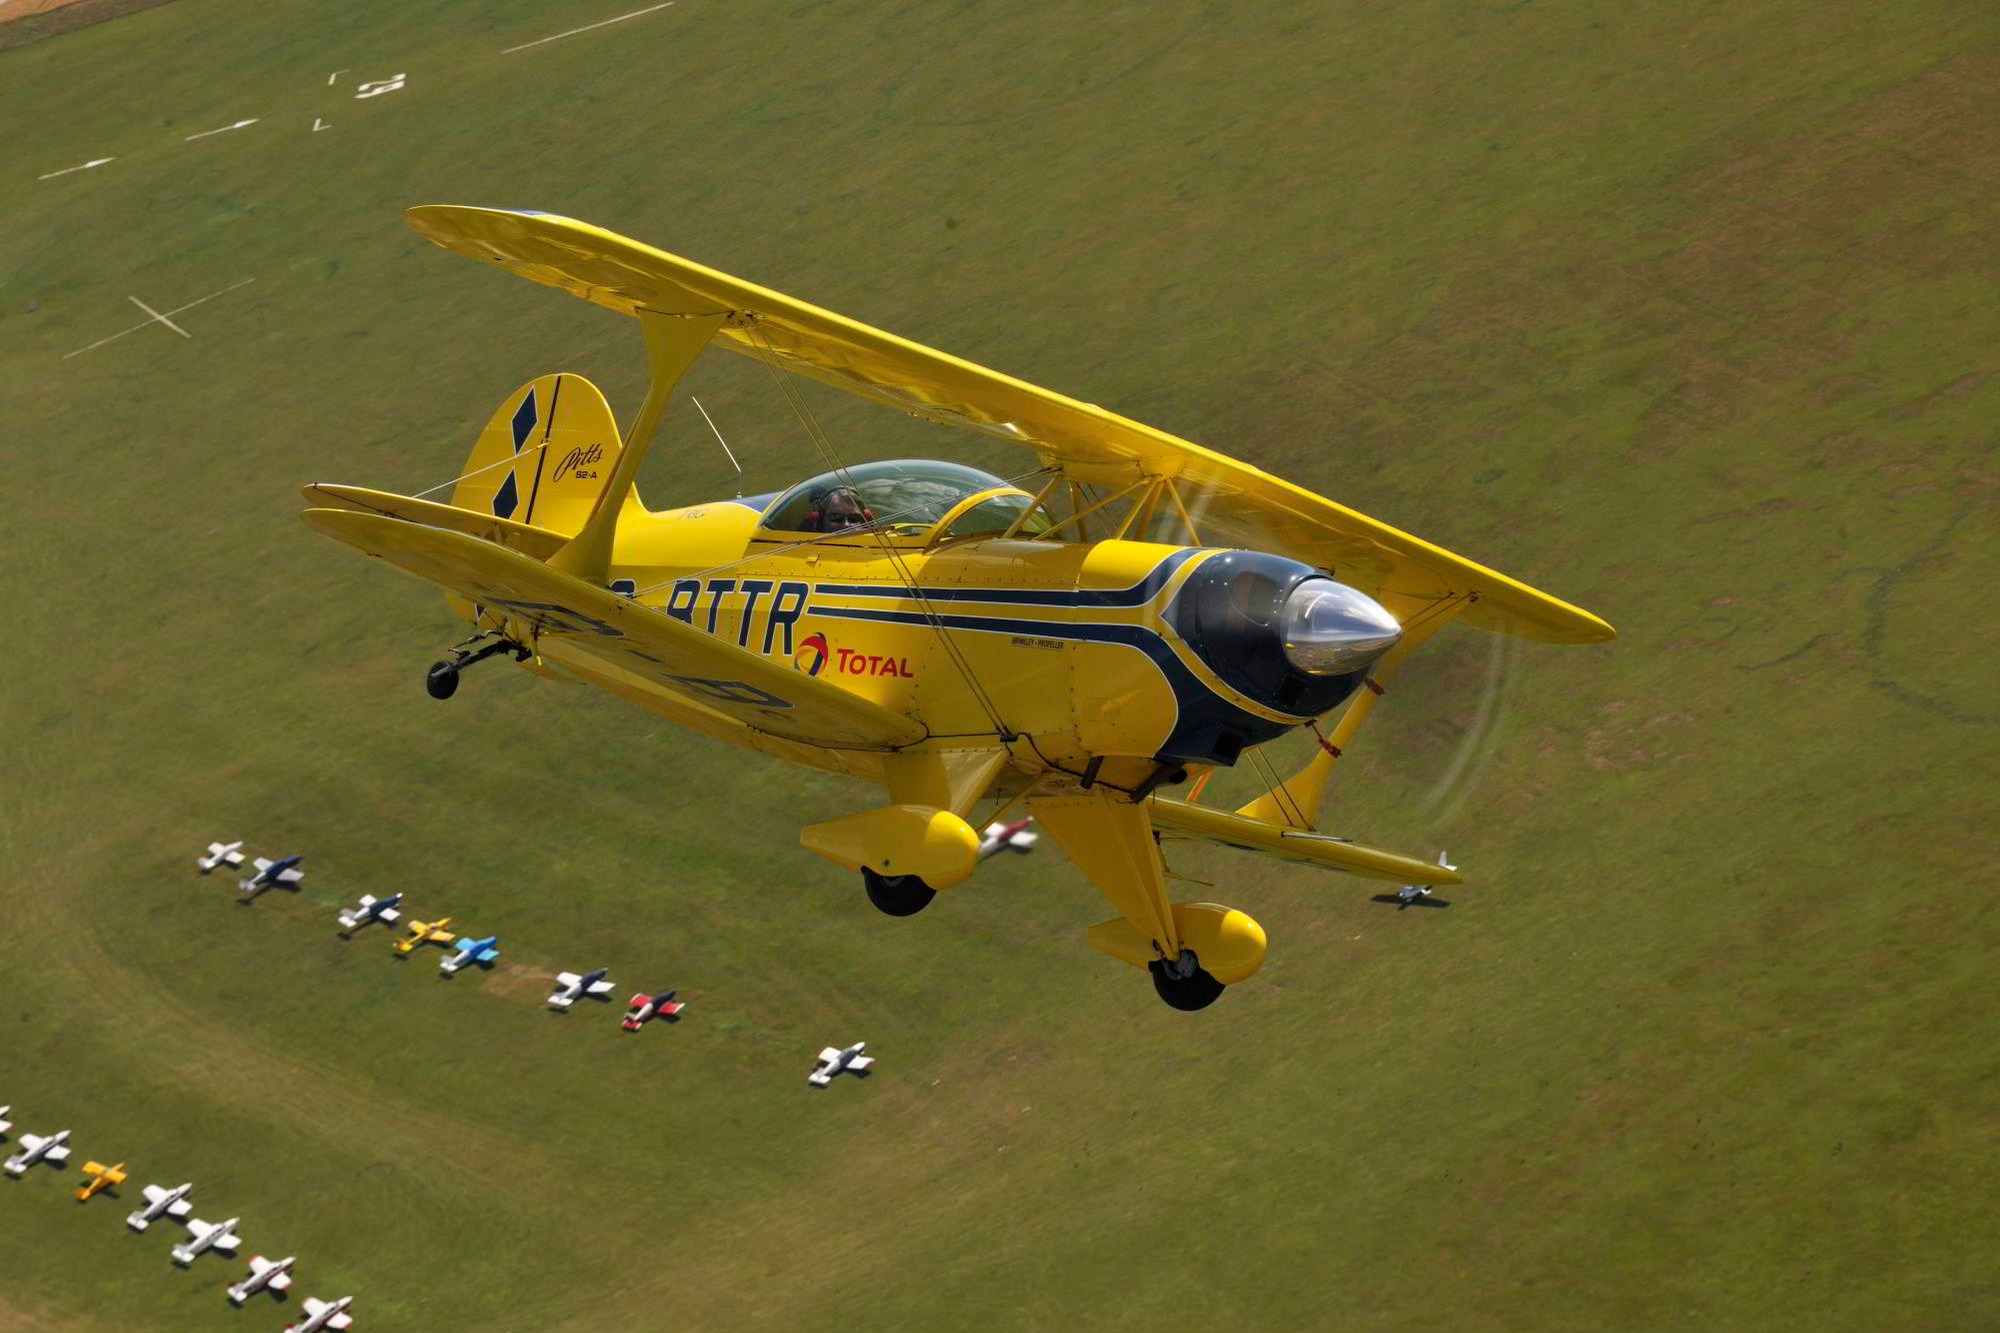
<point>507,499</point>
<point>524,420</point>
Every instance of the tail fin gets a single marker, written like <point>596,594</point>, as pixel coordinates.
<point>562,440</point>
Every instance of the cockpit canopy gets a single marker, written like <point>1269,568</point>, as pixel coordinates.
<point>907,497</point>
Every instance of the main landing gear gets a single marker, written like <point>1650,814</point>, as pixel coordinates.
<point>441,681</point>
<point>1183,983</point>
<point>897,895</point>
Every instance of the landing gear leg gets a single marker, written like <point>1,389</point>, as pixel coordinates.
<point>1183,983</point>
<point>897,895</point>
<point>441,681</point>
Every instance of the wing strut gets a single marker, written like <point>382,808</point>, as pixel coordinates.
<point>672,344</point>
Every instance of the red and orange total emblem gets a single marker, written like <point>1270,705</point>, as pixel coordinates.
<point>811,656</point>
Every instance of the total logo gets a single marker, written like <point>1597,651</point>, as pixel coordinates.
<point>814,654</point>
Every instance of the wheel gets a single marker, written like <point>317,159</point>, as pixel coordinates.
<point>441,681</point>
<point>897,895</point>
<point>1197,990</point>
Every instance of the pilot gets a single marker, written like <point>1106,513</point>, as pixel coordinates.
<point>836,509</point>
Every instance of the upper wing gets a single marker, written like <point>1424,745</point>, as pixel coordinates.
<point>1235,502</point>
<point>669,653</point>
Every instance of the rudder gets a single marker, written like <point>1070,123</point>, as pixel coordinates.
<point>544,456</point>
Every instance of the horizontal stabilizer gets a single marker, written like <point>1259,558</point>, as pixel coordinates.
<point>565,614</point>
<point>1177,819</point>
<point>535,543</point>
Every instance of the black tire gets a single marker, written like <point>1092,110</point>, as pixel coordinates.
<point>441,681</point>
<point>1185,993</point>
<point>897,895</point>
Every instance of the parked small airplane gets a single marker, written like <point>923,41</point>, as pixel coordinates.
<point>1014,837</point>
<point>206,1236</point>
<point>832,1062</point>
<point>102,1178</point>
<point>571,988</point>
<point>1416,895</point>
<point>162,1202</point>
<point>371,909</point>
<point>272,1275</point>
<point>5,1123</point>
<point>220,853</point>
<point>422,933</point>
<point>285,873</point>
<point>468,951</point>
<point>35,1148</point>
<point>323,1314</point>
<point>661,1005</point>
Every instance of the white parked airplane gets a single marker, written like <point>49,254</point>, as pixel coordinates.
<point>285,874</point>
<point>205,1236</point>
<point>1014,837</point>
<point>832,1062</point>
<point>371,909</point>
<point>34,1148</point>
<point>323,1314</point>
<point>265,1274</point>
<point>570,987</point>
<point>219,854</point>
<point>5,1123</point>
<point>162,1203</point>
<point>1418,893</point>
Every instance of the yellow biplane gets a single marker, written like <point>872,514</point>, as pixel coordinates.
<point>102,1178</point>
<point>1127,614</point>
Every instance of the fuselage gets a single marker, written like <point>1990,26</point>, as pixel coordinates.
<point>1111,647</point>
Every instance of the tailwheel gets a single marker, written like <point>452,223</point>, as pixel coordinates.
<point>441,681</point>
<point>1183,983</point>
<point>897,895</point>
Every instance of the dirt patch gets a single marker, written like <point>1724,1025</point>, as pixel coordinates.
<point>24,21</point>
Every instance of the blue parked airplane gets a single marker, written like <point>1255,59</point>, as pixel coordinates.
<point>370,909</point>
<point>468,950</point>
<point>284,873</point>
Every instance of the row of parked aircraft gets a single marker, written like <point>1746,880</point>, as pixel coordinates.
<point>272,1275</point>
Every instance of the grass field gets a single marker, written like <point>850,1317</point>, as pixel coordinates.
<point>1685,313</point>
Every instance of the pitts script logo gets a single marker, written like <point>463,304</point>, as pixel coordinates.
<point>578,462</point>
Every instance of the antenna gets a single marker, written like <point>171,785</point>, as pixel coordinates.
<point>724,443</point>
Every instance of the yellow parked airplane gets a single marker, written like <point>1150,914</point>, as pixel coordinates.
<point>424,932</point>
<point>1126,614</point>
<point>102,1178</point>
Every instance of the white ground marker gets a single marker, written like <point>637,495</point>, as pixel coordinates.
<point>158,317</point>
<point>376,87</point>
<point>94,162</point>
<point>224,130</point>
<point>319,124</point>
<point>586,28</point>
<point>331,77</point>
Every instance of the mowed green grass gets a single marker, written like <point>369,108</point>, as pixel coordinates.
<point>1685,314</point>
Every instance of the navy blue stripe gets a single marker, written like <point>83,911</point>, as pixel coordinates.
<point>1138,594</point>
<point>757,502</point>
<point>1189,691</point>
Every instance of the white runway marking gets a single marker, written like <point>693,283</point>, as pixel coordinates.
<point>95,162</point>
<point>331,77</point>
<point>377,87</point>
<point>319,125</point>
<point>586,28</point>
<point>224,130</point>
<point>159,317</point>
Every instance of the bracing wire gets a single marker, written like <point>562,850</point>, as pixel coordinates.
<point>895,557</point>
